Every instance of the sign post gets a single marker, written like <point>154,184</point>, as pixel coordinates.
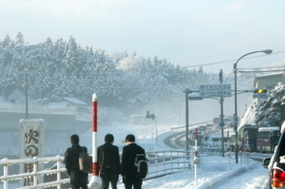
<point>217,90</point>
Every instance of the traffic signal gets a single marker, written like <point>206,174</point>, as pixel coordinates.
<point>147,115</point>
<point>260,91</point>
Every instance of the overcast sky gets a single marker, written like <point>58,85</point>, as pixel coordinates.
<point>185,32</point>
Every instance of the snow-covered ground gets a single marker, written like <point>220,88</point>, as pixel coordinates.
<point>213,173</point>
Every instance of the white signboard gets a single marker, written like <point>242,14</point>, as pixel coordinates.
<point>31,145</point>
<point>215,90</point>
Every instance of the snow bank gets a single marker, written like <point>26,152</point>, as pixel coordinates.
<point>209,183</point>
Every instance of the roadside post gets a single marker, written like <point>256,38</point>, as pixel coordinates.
<point>240,156</point>
<point>94,182</point>
<point>229,158</point>
<point>248,158</point>
<point>196,158</point>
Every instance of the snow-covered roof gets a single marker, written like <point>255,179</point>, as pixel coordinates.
<point>266,81</point>
<point>74,101</point>
<point>248,118</point>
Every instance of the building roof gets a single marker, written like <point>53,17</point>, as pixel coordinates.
<point>74,101</point>
<point>268,81</point>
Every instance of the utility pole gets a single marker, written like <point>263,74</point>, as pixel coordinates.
<point>27,88</point>
<point>222,124</point>
<point>187,120</point>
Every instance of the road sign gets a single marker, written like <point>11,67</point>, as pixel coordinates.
<point>215,90</point>
<point>260,95</point>
<point>221,124</point>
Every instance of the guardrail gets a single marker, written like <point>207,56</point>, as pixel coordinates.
<point>160,163</point>
<point>190,125</point>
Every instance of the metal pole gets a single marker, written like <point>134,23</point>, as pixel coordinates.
<point>196,157</point>
<point>222,115</point>
<point>187,121</point>
<point>95,171</point>
<point>94,182</point>
<point>223,126</point>
<point>235,115</point>
<point>268,51</point>
<point>27,103</point>
<point>156,138</point>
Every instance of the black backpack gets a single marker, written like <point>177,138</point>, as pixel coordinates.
<point>141,165</point>
<point>107,165</point>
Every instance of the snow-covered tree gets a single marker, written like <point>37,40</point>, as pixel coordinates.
<point>64,68</point>
<point>271,111</point>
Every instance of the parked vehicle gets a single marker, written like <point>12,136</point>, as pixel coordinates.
<point>203,129</point>
<point>276,165</point>
<point>267,138</point>
<point>193,135</point>
<point>216,141</point>
<point>247,137</point>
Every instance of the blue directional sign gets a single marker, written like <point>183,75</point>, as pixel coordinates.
<point>215,90</point>
<point>260,95</point>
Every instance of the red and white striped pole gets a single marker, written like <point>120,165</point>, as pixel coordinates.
<point>94,182</point>
<point>196,159</point>
<point>196,142</point>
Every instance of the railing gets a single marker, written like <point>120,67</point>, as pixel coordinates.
<point>34,176</point>
<point>160,163</point>
<point>167,162</point>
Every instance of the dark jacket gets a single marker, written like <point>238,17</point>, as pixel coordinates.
<point>128,159</point>
<point>71,156</point>
<point>108,154</point>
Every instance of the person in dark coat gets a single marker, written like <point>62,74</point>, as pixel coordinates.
<point>128,159</point>
<point>77,178</point>
<point>109,162</point>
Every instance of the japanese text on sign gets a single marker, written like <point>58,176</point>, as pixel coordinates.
<point>215,90</point>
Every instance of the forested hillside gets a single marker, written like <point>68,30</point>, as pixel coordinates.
<point>55,69</point>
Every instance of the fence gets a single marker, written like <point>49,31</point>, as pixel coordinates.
<point>160,163</point>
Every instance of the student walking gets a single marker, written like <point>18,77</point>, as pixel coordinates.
<point>109,162</point>
<point>77,178</point>
<point>130,151</point>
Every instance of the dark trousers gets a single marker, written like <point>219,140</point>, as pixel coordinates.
<point>106,179</point>
<point>78,179</point>
<point>136,184</point>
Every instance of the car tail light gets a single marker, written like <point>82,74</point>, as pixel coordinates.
<point>278,178</point>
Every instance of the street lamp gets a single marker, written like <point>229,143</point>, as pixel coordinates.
<point>267,51</point>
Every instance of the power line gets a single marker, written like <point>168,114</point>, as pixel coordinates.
<point>259,68</point>
<point>256,71</point>
<point>227,61</point>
